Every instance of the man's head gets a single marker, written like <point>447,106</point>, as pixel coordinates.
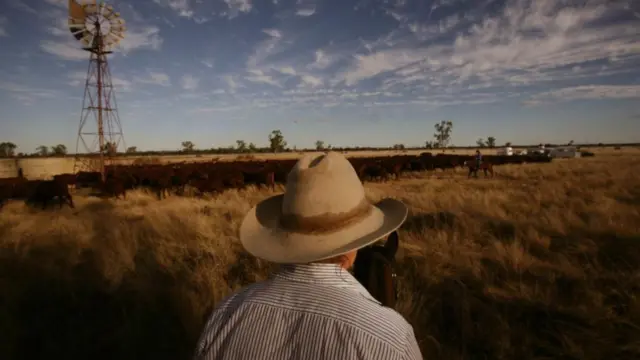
<point>323,214</point>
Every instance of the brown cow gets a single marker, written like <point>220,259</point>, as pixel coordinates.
<point>485,166</point>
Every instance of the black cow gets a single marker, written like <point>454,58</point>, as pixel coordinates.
<point>45,191</point>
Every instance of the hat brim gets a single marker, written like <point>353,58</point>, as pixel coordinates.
<point>261,235</point>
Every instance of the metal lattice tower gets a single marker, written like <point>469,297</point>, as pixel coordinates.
<point>100,135</point>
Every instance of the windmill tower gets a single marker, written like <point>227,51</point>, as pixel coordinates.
<point>99,28</point>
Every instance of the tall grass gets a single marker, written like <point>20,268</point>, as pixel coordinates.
<point>541,261</point>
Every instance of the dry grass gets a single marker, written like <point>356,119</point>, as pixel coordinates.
<point>540,262</point>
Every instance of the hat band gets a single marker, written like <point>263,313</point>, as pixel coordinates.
<point>325,223</point>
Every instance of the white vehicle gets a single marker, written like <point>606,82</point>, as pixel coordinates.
<point>565,152</point>
<point>536,151</point>
<point>508,151</point>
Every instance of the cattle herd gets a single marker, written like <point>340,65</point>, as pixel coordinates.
<point>215,177</point>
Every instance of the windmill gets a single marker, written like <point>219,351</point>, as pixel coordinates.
<point>99,28</point>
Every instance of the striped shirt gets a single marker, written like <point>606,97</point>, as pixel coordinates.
<point>315,311</point>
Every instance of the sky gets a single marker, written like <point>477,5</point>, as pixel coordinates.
<point>346,72</point>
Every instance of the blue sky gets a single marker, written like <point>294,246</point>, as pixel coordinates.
<point>346,72</point>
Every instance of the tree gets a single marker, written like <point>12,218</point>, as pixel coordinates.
<point>443,133</point>
<point>398,147</point>
<point>253,148</point>
<point>570,143</point>
<point>188,146</point>
<point>59,149</point>
<point>42,150</point>
<point>132,150</point>
<point>491,142</point>
<point>319,145</point>
<point>241,146</point>
<point>480,142</point>
<point>276,141</point>
<point>7,149</point>
<point>428,144</point>
<point>507,144</point>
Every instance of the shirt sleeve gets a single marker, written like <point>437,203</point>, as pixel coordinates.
<point>412,350</point>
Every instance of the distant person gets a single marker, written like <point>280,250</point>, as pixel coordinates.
<point>20,173</point>
<point>313,308</point>
<point>478,159</point>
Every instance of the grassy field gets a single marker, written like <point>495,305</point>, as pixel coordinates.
<point>540,262</point>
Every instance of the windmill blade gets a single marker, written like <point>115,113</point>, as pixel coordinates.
<point>80,34</point>
<point>86,41</point>
<point>78,31</point>
<point>90,9</point>
<point>77,18</point>
<point>76,11</point>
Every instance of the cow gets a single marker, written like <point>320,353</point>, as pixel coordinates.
<point>45,191</point>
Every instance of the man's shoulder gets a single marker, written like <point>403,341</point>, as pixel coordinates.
<point>345,304</point>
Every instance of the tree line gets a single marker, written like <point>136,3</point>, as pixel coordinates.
<point>441,140</point>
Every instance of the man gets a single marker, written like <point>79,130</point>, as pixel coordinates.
<point>313,308</point>
<point>478,159</point>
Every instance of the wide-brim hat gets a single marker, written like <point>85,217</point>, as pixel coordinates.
<point>323,213</point>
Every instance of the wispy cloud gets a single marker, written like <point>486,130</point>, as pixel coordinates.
<point>27,95</point>
<point>189,82</point>
<point>66,50</point>
<point>180,7</point>
<point>153,78</point>
<point>147,37</point>
<point>3,25</point>
<point>78,79</point>
<point>208,63</point>
<point>231,83</point>
<point>60,3</point>
<point>20,5</point>
<point>236,7</point>
<point>258,76</point>
<point>321,60</point>
<point>266,48</point>
<point>586,92</point>
<point>305,8</point>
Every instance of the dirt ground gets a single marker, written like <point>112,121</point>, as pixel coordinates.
<point>540,262</point>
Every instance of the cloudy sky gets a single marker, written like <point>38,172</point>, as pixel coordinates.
<point>347,72</point>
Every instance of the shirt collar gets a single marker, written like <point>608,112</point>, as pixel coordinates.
<point>323,274</point>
